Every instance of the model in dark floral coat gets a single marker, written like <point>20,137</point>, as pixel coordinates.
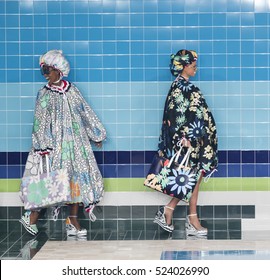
<point>187,117</point>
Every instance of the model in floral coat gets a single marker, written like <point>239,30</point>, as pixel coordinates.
<point>64,127</point>
<point>187,118</point>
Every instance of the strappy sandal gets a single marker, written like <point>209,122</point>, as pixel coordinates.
<point>191,230</point>
<point>72,230</point>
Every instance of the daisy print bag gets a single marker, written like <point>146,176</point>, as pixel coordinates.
<point>46,189</point>
<point>173,178</point>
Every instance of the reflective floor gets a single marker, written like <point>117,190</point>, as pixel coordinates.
<point>128,232</point>
<point>134,244</point>
<point>216,255</point>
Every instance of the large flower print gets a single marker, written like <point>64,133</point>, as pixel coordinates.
<point>182,180</point>
<point>196,130</point>
<point>36,125</point>
<point>37,192</point>
<point>44,100</point>
<point>185,86</point>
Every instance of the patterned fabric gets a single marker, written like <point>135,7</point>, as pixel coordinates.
<point>56,59</point>
<point>45,190</point>
<point>181,59</point>
<point>186,114</point>
<point>65,124</point>
<point>175,180</point>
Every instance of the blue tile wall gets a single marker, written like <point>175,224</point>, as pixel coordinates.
<point>119,55</point>
<point>135,164</point>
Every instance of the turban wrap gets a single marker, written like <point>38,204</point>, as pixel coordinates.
<point>181,59</point>
<point>55,59</point>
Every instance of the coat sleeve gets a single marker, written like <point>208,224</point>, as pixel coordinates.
<point>200,130</point>
<point>93,126</point>
<point>41,133</point>
<point>168,127</point>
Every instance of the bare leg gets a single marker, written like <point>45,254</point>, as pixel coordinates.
<point>193,205</point>
<point>34,217</point>
<point>169,212</point>
<point>74,209</point>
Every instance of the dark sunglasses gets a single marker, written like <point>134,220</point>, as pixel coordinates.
<point>46,70</point>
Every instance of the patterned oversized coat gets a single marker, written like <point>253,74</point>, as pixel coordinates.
<point>186,114</point>
<point>65,124</point>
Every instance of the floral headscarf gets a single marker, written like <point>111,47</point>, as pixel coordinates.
<point>181,59</point>
<point>56,59</point>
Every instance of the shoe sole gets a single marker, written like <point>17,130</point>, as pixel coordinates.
<point>192,233</point>
<point>72,233</point>
<point>156,221</point>
<point>27,227</point>
<point>76,234</point>
<point>81,234</point>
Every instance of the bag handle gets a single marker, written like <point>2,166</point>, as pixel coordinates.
<point>48,166</point>
<point>185,159</point>
<point>176,155</point>
<point>209,175</point>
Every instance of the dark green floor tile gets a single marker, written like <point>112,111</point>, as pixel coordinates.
<point>220,225</point>
<point>234,224</point>
<point>138,212</point>
<point>124,212</point>
<point>234,211</point>
<point>220,211</point>
<point>248,212</point>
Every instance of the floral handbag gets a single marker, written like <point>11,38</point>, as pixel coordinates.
<point>46,189</point>
<point>172,178</point>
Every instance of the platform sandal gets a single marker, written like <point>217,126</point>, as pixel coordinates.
<point>160,219</point>
<point>72,230</point>
<point>25,221</point>
<point>191,230</point>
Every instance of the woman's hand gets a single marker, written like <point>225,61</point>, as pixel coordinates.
<point>185,142</point>
<point>98,144</point>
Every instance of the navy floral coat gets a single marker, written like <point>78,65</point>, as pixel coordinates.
<point>186,114</point>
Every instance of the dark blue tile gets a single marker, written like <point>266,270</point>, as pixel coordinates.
<point>3,172</point>
<point>99,157</point>
<point>110,157</point>
<point>124,171</point>
<point>24,157</point>
<point>222,156</point>
<point>262,170</point>
<point>149,155</point>
<point>248,157</point>
<point>137,171</point>
<point>233,156</point>
<point>261,157</point>
<point>137,157</point>
<point>123,157</point>
<point>14,171</point>
<point>222,170</point>
<point>248,170</point>
<point>234,170</point>
<point>3,158</point>
<point>110,171</point>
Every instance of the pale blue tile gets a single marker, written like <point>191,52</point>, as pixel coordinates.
<point>124,116</point>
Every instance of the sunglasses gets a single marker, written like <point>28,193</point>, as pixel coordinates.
<point>46,70</point>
